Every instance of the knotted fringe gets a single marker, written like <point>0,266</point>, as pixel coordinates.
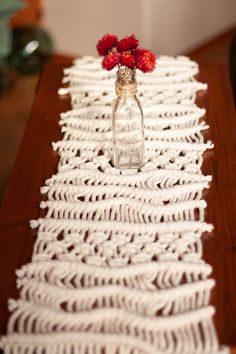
<point>186,297</point>
<point>95,343</point>
<point>154,275</point>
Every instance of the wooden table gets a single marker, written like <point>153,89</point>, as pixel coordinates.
<point>36,162</point>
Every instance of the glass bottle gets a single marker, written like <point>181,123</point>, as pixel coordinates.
<point>127,122</point>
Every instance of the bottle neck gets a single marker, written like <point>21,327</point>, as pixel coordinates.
<point>126,90</point>
<point>126,84</point>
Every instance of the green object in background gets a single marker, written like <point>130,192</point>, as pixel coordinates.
<point>7,9</point>
<point>10,7</point>
<point>31,47</point>
<point>5,39</point>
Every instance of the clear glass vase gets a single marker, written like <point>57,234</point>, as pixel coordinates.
<point>127,123</point>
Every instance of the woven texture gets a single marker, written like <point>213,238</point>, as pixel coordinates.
<point>117,265</point>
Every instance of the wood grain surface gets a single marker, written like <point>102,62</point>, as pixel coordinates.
<point>36,162</point>
<point>220,246</point>
<point>15,106</point>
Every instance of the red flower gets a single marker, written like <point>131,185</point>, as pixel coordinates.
<point>127,43</point>
<point>107,42</point>
<point>127,59</point>
<point>138,51</point>
<point>110,60</point>
<point>145,60</point>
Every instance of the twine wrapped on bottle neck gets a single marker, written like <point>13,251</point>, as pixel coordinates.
<point>126,82</point>
<point>123,90</point>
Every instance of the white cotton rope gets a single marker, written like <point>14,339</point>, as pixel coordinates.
<point>117,265</point>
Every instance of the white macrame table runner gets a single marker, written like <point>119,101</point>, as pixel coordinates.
<point>117,266</point>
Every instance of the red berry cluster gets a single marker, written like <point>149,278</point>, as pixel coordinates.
<point>125,52</point>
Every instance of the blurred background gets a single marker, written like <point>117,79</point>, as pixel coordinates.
<point>166,26</point>
<point>34,31</point>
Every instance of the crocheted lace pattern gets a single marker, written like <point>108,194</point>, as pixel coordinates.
<point>117,266</point>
